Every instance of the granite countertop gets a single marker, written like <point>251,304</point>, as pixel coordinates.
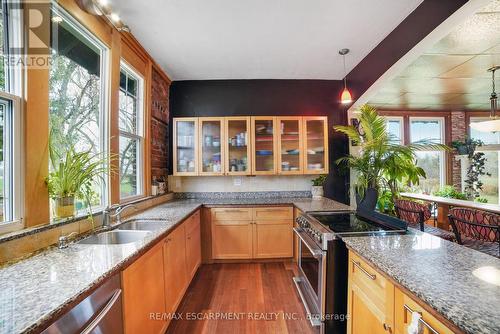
<point>450,278</point>
<point>35,291</point>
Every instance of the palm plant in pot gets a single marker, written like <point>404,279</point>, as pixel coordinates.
<point>73,175</point>
<point>382,165</point>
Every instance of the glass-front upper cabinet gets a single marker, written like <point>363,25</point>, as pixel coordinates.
<point>290,145</point>
<point>185,146</point>
<point>211,133</point>
<point>315,145</point>
<point>264,145</point>
<point>237,149</point>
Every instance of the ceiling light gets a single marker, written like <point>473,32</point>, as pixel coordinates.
<point>492,125</point>
<point>114,17</point>
<point>345,97</point>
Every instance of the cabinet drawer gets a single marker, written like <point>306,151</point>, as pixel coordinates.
<point>372,284</point>
<point>219,214</point>
<point>273,213</point>
<point>404,306</point>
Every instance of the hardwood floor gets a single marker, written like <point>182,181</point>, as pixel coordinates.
<point>260,298</point>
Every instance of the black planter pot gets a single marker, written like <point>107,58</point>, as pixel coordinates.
<point>369,201</point>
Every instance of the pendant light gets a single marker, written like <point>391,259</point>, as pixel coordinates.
<point>493,125</point>
<point>346,97</point>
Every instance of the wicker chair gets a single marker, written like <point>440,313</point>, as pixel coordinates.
<point>416,214</point>
<point>476,229</point>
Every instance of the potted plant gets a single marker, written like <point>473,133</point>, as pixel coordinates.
<point>466,147</point>
<point>72,176</point>
<point>317,186</point>
<point>382,163</point>
<point>450,192</point>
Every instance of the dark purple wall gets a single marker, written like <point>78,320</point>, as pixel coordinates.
<point>269,97</point>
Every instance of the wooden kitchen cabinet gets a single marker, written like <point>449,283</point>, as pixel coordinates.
<point>252,233</point>
<point>144,293</point>
<point>237,146</point>
<point>290,146</point>
<point>245,145</point>
<point>211,148</point>
<point>370,299</point>
<point>232,239</point>
<point>264,145</point>
<point>176,276</point>
<point>185,146</point>
<point>193,245</point>
<point>315,144</point>
<point>375,305</point>
<point>403,308</point>
<point>272,239</point>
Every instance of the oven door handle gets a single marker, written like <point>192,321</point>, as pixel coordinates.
<point>313,248</point>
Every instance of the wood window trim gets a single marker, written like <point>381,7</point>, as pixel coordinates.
<point>36,199</point>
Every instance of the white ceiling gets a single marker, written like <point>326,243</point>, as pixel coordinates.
<point>260,39</point>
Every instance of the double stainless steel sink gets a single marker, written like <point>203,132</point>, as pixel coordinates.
<point>125,233</point>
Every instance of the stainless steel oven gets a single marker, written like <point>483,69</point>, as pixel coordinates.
<point>312,276</point>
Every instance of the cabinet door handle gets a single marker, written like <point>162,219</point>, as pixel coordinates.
<point>387,328</point>
<point>358,264</point>
<point>421,320</point>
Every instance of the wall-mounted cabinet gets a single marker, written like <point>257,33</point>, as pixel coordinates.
<point>185,146</point>
<point>264,145</point>
<point>237,145</point>
<point>211,152</point>
<point>259,145</point>
<point>290,151</point>
<point>315,145</point>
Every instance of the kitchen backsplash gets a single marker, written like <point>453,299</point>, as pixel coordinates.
<point>239,183</point>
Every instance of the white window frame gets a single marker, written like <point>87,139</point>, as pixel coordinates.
<point>487,147</point>
<point>14,85</point>
<point>442,155</point>
<point>139,136</point>
<point>401,120</point>
<point>103,98</point>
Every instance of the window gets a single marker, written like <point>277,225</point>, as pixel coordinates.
<point>491,150</point>
<point>10,123</point>
<point>77,93</point>
<point>131,132</point>
<point>432,162</point>
<point>395,128</point>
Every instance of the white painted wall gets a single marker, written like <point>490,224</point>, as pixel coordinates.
<point>239,183</point>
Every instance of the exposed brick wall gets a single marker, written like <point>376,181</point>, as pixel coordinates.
<point>159,126</point>
<point>458,132</point>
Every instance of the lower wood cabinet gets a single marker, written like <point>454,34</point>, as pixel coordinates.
<point>272,239</point>
<point>403,308</point>
<point>252,233</point>
<point>232,239</point>
<point>156,282</point>
<point>376,306</point>
<point>144,293</point>
<point>370,299</point>
<point>176,278</point>
<point>193,245</point>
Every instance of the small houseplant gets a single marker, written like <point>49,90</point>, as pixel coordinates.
<point>72,176</point>
<point>317,186</point>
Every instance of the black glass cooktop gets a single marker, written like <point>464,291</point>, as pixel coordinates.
<point>347,223</point>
